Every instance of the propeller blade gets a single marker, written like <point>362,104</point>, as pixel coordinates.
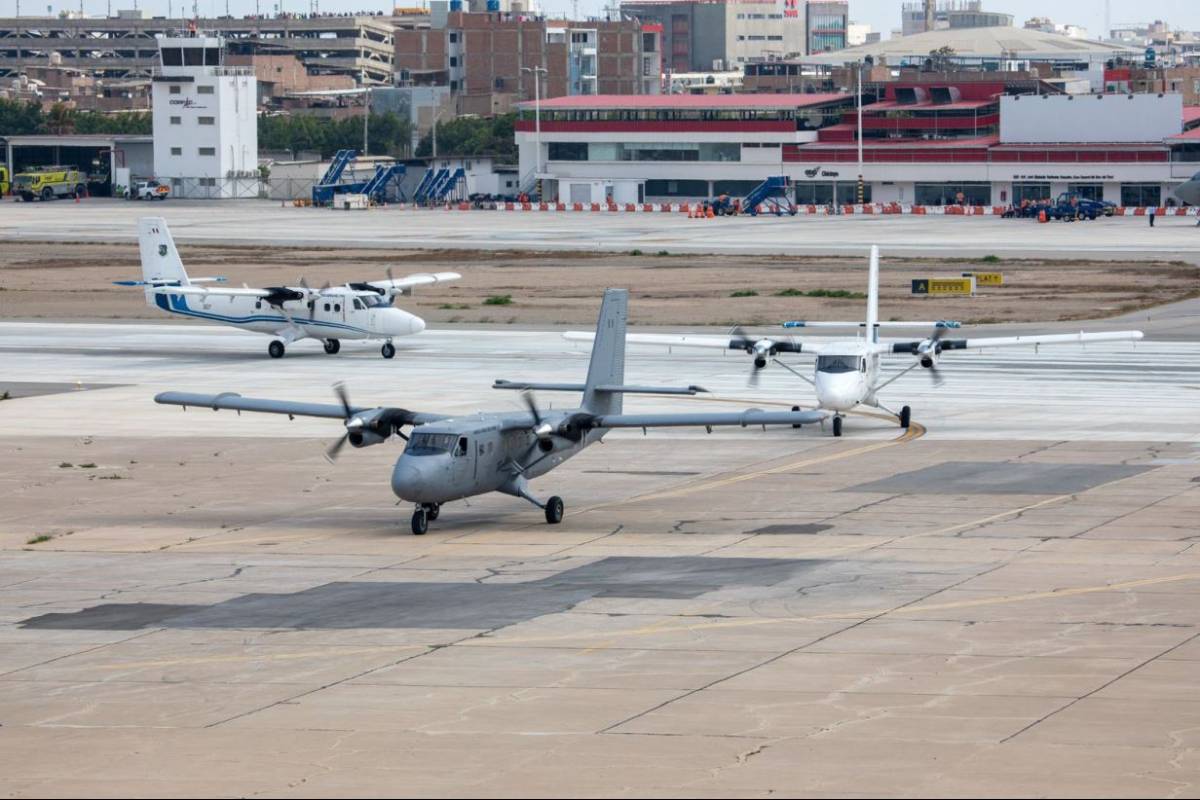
<point>531,404</point>
<point>339,389</point>
<point>754,370</point>
<point>331,455</point>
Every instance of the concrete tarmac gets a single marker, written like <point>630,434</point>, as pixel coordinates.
<point>263,222</point>
<point>1000,603</point>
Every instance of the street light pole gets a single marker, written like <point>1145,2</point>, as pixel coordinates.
<point>860,134</point>
<point>537,116</point>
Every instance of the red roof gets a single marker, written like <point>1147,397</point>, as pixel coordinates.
<point>1187,136</point>
<point>1191,115</point>
<point>750,102</point>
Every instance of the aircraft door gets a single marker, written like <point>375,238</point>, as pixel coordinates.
<point>462,462</point>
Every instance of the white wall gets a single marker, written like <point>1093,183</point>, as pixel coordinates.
<point>1090,118</point>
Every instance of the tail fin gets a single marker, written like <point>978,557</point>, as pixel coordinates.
<point>160,259</point>
<point>607,367</point>
<point>873,297</point>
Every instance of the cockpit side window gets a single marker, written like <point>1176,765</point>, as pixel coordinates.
<point>463,447</point>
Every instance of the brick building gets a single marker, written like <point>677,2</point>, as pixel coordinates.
<point>480,57</point>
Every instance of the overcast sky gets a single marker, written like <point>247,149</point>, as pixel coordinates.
<point>883,15</point>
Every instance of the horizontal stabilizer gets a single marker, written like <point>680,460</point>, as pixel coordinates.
<point>941,323</point>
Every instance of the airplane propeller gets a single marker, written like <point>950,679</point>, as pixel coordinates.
<point>759,348</point>
<point>343,396</point>
<point>377,422</point>
<point>930,349</point>
<point>541,429</point>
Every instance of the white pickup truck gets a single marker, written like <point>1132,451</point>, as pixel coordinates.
<point>147,190</point>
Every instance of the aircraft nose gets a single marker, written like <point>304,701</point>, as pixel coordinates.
<point>401,323</point>
<point>408,483</point>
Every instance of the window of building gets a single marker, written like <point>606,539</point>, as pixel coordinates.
<point>172,57</point>
<point>207,120</point>
<point>208,181</point>
<point>174,89</point>
<point>568,151</point>
<point>453,37</point>
<point>1033,192</point>
<point>176,120</point>
<point>822,193</point>
<point>176,151</point>
<point>208,151</point>
<point>948,194</point>
<point>204,90</point>
<point>454,61</point>
<point>1141,194</point>
<point>666,188</point>
<point>1087,191</point>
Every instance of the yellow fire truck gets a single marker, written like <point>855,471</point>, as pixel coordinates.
<point>48,183</point>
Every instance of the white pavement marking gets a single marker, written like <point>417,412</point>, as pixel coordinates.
<point>1121,392</point>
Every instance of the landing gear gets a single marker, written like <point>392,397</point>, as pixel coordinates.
<point>332,346</point>
<point>837,426</point>
<point>554,510</point>
<point>388,350</point>
<point>433,511</point>
<point>420,521</point>
<point>275,349</point>
<point>905,417</point>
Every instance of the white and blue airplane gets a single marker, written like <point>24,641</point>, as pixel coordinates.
<point>286,313</point>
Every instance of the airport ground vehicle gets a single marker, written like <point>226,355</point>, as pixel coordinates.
<point>147,190</point>
<point>5,184</point>
<point>48,183</point>
<point>1073,207</point>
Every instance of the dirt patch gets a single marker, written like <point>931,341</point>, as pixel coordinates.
<point>75,282</point>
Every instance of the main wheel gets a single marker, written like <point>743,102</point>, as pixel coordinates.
<point>388,350</point>
<point>554,510</point>
<point>905,417</point>
<point>420,522</point>
<point>837,426</point>
<point>433,511</point>
<point>332,346</point>
<point>275,349</point>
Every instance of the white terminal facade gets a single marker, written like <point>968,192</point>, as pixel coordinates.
<point>922,144</point>
<point>205,121</point>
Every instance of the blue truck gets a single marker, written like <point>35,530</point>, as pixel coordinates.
<point>1071,207</point>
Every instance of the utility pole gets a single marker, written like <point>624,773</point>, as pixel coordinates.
<point>860,134</point>
<point>537,72</point>
<point>366,112</point>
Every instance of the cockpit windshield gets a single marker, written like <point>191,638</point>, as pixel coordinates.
<point>836,364</point>
<point>430,444</point>
<point>375,300</point>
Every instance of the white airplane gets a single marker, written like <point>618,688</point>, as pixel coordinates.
<point>848,371</point>
<point>288,313</point>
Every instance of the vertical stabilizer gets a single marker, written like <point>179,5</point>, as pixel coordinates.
<point>873,297</point>
<point>160,260</point>
<point>607,367</point>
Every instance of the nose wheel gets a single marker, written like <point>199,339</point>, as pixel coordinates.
<point>837,426</point>
<point>905,417</point>
<point>388,350</point>
<point>423,515</point>
<point>332,346</point>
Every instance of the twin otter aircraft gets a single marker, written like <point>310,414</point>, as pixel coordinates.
<point>288,313</point>
<point>451,458</point>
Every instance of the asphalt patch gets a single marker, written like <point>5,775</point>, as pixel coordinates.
<point>1001,477</point>
<point>356,604</point>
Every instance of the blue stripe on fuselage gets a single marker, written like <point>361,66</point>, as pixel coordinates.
<point>178,305</point>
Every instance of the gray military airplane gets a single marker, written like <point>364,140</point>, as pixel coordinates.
<point>452,458</point>
<point>1189,192</point>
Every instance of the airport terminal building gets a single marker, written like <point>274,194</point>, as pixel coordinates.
<point>922,144</point>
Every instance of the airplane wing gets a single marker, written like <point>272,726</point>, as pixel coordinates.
<point>1020,341</point>
<point>235,402</point>
<point>730,342</point>
<point>743,419</point>
<point>398,285</point>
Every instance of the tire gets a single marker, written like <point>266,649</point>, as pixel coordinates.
<point>388,350</point>
<point>554,510</point>
<point>905,417</point>
<point>433,511</point>
<point>420,522</point>
<point>837,426</point>
<point>276,349</point>
<point>47,194</point>
<point>332,346</point>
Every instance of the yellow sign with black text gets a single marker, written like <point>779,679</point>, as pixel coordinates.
<point>986,278</point>
<point>943,286</point>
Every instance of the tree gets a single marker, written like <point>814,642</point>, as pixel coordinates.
<point>20,118</point>
<point>474,136</point>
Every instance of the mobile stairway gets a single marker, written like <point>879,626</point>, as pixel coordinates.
<point>772,196</point>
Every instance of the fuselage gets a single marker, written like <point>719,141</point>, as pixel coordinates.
<point>467,456</point>
<point>333,315</point>
<point>845,375</point>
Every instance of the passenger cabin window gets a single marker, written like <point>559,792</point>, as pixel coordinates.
<point>337,306</point>
<point>835,364</point>
<point>327,306</point>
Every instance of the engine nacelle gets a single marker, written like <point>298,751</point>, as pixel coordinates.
<point>366,438</point>
<point>929,360</point>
